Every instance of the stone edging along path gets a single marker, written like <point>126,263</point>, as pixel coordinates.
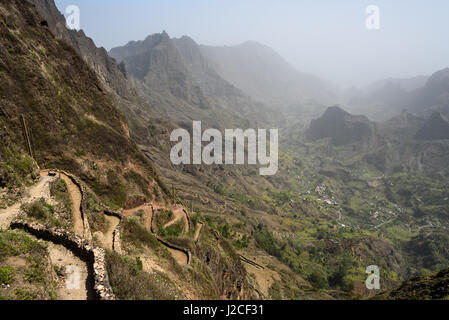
<point>94,256</point>
<point>165,242</point>
<point>83,206</point>
<point>82,247</point>
<point>175,247</point>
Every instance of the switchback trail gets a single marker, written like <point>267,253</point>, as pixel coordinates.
<point>178,213</point>
<point>148,211</point>
<point>64,260</point>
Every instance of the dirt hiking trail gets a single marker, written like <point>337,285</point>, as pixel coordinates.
<point>39,190</point>
<point>198,231</point>
<point>148,211</point>
<point>75,282</point>
<point>112,222</point>
<point>178,213</point>
<point>75,196</point>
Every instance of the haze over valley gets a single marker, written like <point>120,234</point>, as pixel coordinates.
<point>87,177</point>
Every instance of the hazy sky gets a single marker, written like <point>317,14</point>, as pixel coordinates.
<point>328,38</point>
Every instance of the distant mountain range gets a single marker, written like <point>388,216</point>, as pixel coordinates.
<point>345,128</point>
<point>262,73</point>
<point>385,99</point>
<point>174,75</point>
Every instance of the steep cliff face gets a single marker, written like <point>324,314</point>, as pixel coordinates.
<point>156,62</point>
<point>178,81</point>
<point>106,68</point>
<point>112,75</point>
<point>73,121</point>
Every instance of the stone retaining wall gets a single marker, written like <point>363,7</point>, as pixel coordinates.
<point>189,220</point>
<point>83,208</point>
<point>175,247</point>
<point>94,256</point>
<point>166,243</point>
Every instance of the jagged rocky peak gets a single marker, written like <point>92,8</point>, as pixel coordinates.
<point>158,65</point>
<point>133,48</point>
<point>435,128</point>
<point>188,47</point>
<point>156,52</point>
<point>335,112</point>
<point>341,126</point>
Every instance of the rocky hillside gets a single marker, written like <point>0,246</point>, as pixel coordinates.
<point>435,128</point>
<point>342,127</point>
<point>174,77</point>
<point>432,287</point>
<point>112,75</point>
<point>434,96</point>
<point>73,122</point>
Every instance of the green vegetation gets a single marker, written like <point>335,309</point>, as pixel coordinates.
<point>114,190</point>
<point>24,294</point>
<point>15,167</point>
<point>162,217</point>
<point>14,244</point>
<point>174,230</point>
<point>36,273</point>
<point>43,212</point>
<point>136,234</point>
<point>431,287</point>
<point>265,241</point>
<point>24,267</point>
<point>318,280</point>
<point>7,274</point>
<point>129,282</point>
<point>60,192</point>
